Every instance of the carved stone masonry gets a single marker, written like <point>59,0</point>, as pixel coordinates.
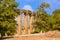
<point>20,23</point>
<point>26,22</point>
<point>26,13</point>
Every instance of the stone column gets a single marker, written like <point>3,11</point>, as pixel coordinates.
<point>20,24</point>
<point>31,20</point>
<point>26,22</point>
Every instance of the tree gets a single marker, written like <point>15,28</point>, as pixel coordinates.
<point>41,18</point>
<point>8,12</point>
<point>44,5</point>
<point>56,15</point>
<point>45,22</point>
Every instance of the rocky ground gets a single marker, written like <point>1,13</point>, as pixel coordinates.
<point>51,35</point>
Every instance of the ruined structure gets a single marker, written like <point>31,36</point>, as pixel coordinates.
<point>26,13</point>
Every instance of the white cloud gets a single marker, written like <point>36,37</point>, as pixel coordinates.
<point>27,7</point>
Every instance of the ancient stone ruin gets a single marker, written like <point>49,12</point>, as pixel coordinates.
<point>26,13</point>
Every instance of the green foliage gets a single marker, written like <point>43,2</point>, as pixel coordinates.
<point>45,22</point>
<point>45,5</point>
<point>7,16</point>
<point>56,15</point>
<point>41,19</point>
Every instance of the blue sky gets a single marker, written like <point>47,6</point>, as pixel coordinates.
<point>33,5</point>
